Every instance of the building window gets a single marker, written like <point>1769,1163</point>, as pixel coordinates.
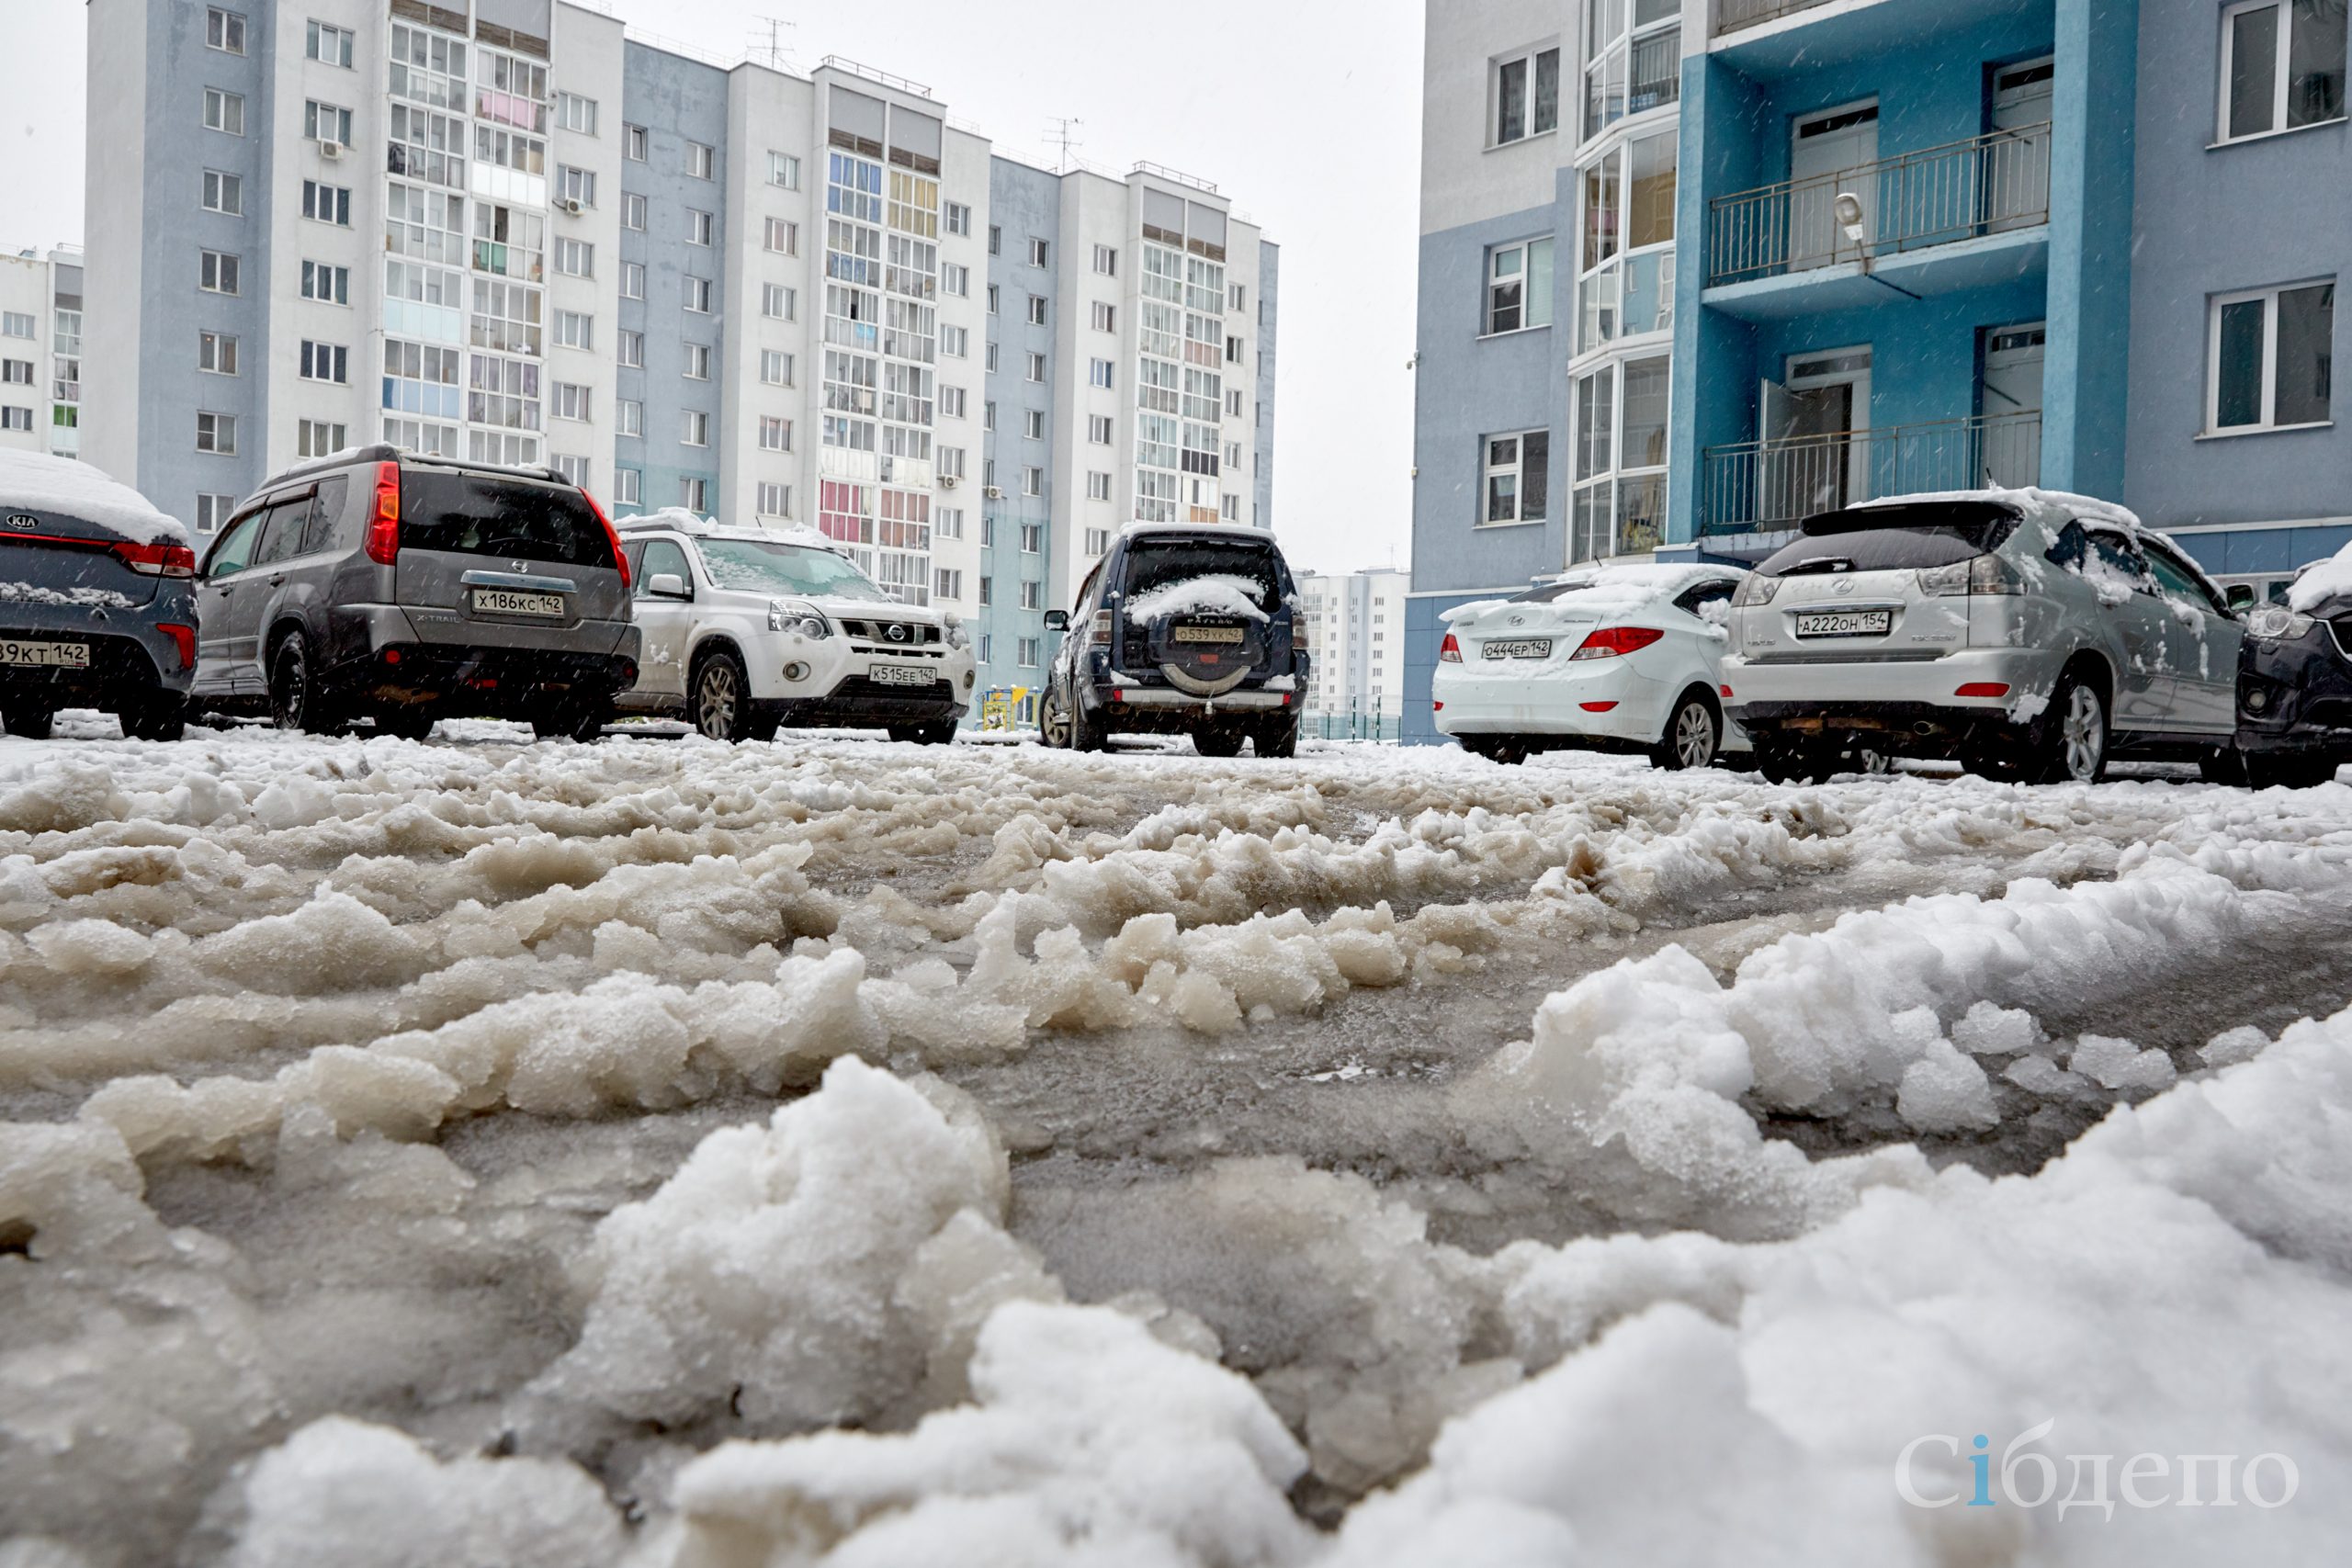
<point>699,227</point>
<point>2283,66</point>
<point>633,212</point>
<point>1037,309</point>
<point>213,509</point>
<point>775,500</point>
<point>996,239</point>
<point>1526,93</point>
<point>575,186</point>
<point>693,494</point>
<point>15,417</point>
<point>217,352</point>
<point>775,368</point>
<point>1237,297</point>
<point>633,141</point>
<point>1625,268</point>
<point>1232,404</point>
<point>1037,367</point>
<point>1038,252</point>
<point>992,298</point>
<point>1517,475</point>
<point>950,403</point>
<point>778,303</point>
<point>1233,514</point>
<point>1098,486</point>
<point>326,204</point>
<point>698,428</point>
<point>573,470</point>
<point>631,354</point>
<point>217,432</point>
<point>1098,541</point>
<point>702,161</point>
<point>628,487</point>
<point>955,343</point>
<point>783,237</point>
<point>1097,429</point>
<point>1519,287</point>
<point>575,258</point>
<point>629,417</point>
<point>991,359</point>
<point>570,400</point>
<point>1098,373</point>
<point>224,111</point>
<point>954,280</point>
<point>783,171</point>
<point>325,362</point>
<point>224,193</point>
<point>326,122</point>
<point>329,285</point>
<point>957,217</point>
<point>1619,455</point>
<point>1032,424</point>
<point>224,30</point>
<point>1632,61</point>
<point>316,438</point>
<point>575,329</point>
<point>1033,538</point>
<point>1033,595</point>
<point>951,462</point>
<point>948,523</point>
<point>775,434</point>
<point>2272,358</point>
<point>695,292</point>
<point>576,113</point>
<point>1106,261</point>
<point>1028,648</point>
<point>632,280</point>
<point>1233,351</point>
<point>946,584</point>
<point>698,361</point>
<point>329,45</point>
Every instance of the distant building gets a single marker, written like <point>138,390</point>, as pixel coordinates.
<point>40,350</point>
<point>1357,623</point>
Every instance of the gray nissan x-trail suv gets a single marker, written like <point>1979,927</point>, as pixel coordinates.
<point>380,584</point>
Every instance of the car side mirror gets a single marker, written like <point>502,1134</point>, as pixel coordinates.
<point>668,585</point>
<point>2241,596</point>
<point>1058,620</point>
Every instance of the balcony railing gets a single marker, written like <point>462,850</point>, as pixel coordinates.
<point>1733,15</point>
<point>1761,487</point>
<point>1963,189</point>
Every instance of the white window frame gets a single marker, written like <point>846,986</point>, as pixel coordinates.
<point>1032,425</point>
<point>223,193</point>
<point>220,107</point>
<point>629,352</point>
<point>775,368</point>
<point>633,142</point>
<point>632,280</point>
<point>1525,251</point>
<point>1107,316</point>
<point>778,302</point>
<point>1531,58</point>
<point>220,348</point>
<point>783,171</point>
<point>1098,485</point>
<point>633,211</point>
<point>1489,470</point>
<point>1037,309</point>
<point>698,362</point>
<point>781,236</point>
<point>575,258</point>
<point>1098,430</point>
<point>1037,369</point>
<point>2279,86</point>
<point>318,37</point>
<point>1609,271</point>
<point>2270,300</point>
<point>1616,473</point>
<point>695,293</point>
<point>696,428</point>
<point>629,417</point>
<point>569,400</point>
<point>699,227</point>
<point>1100,373</point>
<point>772,499</point>
<point>1040,252</point>
<point>702,161</point>
<point>225,29</point>
<point>1106,260</point>
<point>958,217</point>
<point>575,329</point>
<point>576,114</point>
<point>776,434</point>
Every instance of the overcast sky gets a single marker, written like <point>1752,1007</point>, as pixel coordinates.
<point>1305,113</point>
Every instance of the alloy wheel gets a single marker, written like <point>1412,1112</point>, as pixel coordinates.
<point>2084,734</point>
<point>1053,722</point>
<point>716,700</point>
<point>1694,735</point>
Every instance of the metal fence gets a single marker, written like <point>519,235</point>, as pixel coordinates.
<point>1985,185</point>
<point>1733,15</point>
<point>1759,487</point>
<point>1357,722</point>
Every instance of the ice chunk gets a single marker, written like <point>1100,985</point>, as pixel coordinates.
<point>2118,1064</point>
<point>2234,1045</point>
<point>1944,1092</point>
<point>1988,1029</point>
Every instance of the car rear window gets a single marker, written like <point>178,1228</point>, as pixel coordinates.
<point>482,514</point>
<point>1894,538</point>
<point>1163,563</point>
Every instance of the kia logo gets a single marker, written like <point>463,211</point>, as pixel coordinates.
<point>22,520</point>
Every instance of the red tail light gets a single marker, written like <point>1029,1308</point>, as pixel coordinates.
<point>384,524</point>
<point>1982,688</point>
<point>182,639</point>
<point>1450,653</point>
<point>156,560</point>
<point>1595,707</point>
<point>611,537</point>
<point>1614,642</point>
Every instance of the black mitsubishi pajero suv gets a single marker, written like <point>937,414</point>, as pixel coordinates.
<point>378,583</point>
<point>1182,630</point>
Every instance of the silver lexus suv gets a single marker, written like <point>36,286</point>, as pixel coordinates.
<point>2028,634</point>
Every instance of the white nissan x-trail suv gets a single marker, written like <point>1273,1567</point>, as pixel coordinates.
<point>745,630</point>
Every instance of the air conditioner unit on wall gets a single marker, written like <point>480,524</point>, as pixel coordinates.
<point>330,149</point>
<point>570,204</point>
<point>993,493</point>
<point>948,482</point>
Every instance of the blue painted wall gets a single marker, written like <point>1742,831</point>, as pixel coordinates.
<point>1023,202</point>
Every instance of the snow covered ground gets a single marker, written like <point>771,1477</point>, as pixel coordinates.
<point>669,1154</point>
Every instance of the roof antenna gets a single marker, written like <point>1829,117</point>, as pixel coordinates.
<point>773,47</point>
<point>1061,135</point>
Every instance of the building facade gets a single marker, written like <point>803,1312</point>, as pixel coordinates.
<point>1356,621</point>
<point>40,350</point>
<point>1694,269</point>
<point>507,231</point>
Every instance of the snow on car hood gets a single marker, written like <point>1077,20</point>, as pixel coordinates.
<point>73,489</point>
<point>1216,593</point>
<point>2323,581</point>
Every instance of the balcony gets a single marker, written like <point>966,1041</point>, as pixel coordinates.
<point>1732,15</point>
<point>1769,487</point>
<point>1991,185</point>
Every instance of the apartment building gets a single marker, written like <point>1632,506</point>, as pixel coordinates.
<point>1693,269</point>
<point>1356,621</point>
<point>40,350</point>
<point>512,232</point>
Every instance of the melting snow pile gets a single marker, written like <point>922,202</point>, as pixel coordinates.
<point>1217,593</point>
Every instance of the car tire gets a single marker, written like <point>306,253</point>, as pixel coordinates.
<point>1508,750</point>
<point>296,700</point>
<point>762,727</point>
<point>409,724</point>
<point>1216,740</point>
<point>2223,765</point>
<point>719,698</point>
<point>1783,764</point>
<point>28,721</point>
<point>156,715</point>
<point>2076,735</point>
<point>1693,737</point>
<point>2288,772</point>
<point>1277,738</point>
<point>575,718</point>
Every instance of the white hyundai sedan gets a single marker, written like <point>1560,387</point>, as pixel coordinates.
<point>1609,658</point>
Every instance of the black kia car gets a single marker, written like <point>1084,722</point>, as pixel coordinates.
<point>2295,683</point>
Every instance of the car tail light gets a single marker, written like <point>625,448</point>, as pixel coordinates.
<point>1614,642</point>
<point>611,537</point>
<point>1099,635</point>
<point>1723,691</point>
<point>156,561</point>
<point>183,639</point>
<point>1450,652</point>
<point>384,522</point>
<point>1437,708</point>
<point>1595,707</point>
<point>1982,688</point>
<point>1979,574</point>
<point>1755,589</point>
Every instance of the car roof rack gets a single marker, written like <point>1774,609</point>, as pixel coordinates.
<point>384,452</point>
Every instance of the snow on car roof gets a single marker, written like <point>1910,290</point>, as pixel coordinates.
<point>1610,587</point>
<point>1138,530</point>
<point>75,489</point>
<point>2054,508</point>
<point>685,521</point>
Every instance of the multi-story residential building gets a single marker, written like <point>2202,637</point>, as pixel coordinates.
<point>1356,621</point>
<point>509,231</point>
<point>1692,269</point>
<point>40,350</point>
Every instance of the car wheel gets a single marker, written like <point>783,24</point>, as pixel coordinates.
<point>576,718</point>
<point>1794,764</point>
<point>157,716</point>
<point>28,721</point>
<point>2288,772</point>
<point>409,724</point>
<point>295,700</point>
<point>1694,735</point>
<point>1054,719</point>
<point>2074,746</point>
<point>1278,738</point>
<point>1509,751</point>
<point>1218,742</point>
<point>721,706</point>
<point>2223,765</point>
<point>940,732</point>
